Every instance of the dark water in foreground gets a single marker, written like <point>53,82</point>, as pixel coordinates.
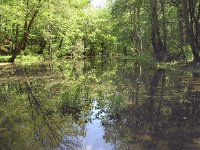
<point>98,105</point>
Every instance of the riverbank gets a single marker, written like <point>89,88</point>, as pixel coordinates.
<point>23,59</point>
<point>142,59</point>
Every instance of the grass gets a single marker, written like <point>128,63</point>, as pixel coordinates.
<point>23,59</point>
<point>28,59</point>
<point>4,59</point>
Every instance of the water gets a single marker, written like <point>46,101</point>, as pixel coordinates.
<point>94,133</point>
<point>98,104</point>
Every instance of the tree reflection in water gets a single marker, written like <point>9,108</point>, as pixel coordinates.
<point>139,107</point>
<point>166,116</point>
<point>32,116</point>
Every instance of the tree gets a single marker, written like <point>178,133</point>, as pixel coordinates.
<point>191,15</point>
<point>31,14</point>
<point>155,28</point>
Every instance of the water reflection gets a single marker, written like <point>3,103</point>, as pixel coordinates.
<point>99,104</point>
<point>95,132</point>
<point>34,114</point>
<point>162,119</point>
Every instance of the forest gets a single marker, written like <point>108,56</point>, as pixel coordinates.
<point>166,30</point>
<point>121,75</point>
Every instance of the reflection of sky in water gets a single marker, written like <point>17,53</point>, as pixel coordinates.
<point>94,135</point>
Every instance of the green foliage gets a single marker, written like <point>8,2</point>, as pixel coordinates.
<point>111,103</point>
<point>72,98</point>
<point>4,58</point>
<point>29,59</point>
<point>74,28</point>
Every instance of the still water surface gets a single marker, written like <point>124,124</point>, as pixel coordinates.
<point>98,104</point>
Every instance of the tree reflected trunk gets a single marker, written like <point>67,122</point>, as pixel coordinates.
<point>153,109</point>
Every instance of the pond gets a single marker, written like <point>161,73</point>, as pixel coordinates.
<point>98,104</point>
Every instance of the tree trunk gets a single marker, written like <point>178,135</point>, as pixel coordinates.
<point>137,42</point>
<point>188,14</point>
<point>27,28</point>
<point>0,24</point>
<point>140,43</point>
<point>60,44</point>
<point>163,2</point>
<point>50,49</point>
<point>156,39</point>
<point>158,76</point>
<point>181,31</point>
<point>22,43</point>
